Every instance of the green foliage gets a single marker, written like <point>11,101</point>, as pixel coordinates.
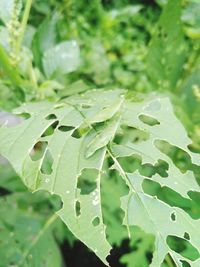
<point>191,19</point>
<point>81,139</point>
<point>167,53</point>
<point>119,164</point>
<point>26,232</point>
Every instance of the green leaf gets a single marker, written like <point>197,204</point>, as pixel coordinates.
<point>63,58</point>
<point>26,236</point>
<point>44,38</point>
<point>167,51</point>
<point>190,16</point>
<point>86,131</point>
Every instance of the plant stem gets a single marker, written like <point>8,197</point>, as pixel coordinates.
<point>23,25</point>
<point>32,75</point>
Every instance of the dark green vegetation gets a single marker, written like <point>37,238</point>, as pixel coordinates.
<point>104,139</point>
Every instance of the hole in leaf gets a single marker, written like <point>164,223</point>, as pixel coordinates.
<point>87,181</point>
<point>98,126</point>
<point>194,148</point>
<point>186,236</point>
<point>64,128</point>
<point>180,158</point>
<point>38,151</point>
<point>183,247</point>
<point>24,115</point>
<point>79,132</point>
<point>51,117</point>
<point>86,106</point>
<point>171,197</point>
<point>55,201</point>
<point>130,134</point>
<point>195,196</point>
<point>149,120</point>
<point>147,170</point>
<point>47,163</point>
<point>50,130</point>
<point>78,208</point>
<point>130,164</point>
<point>185,264</point>
<point>166,261</point>
<point>110,162</point>
<point>160,168</point>
<point>96,221</point>
<point>173,216</point>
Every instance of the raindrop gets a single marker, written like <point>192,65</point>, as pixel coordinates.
<point>95,202</point>
<point>96,221</point>
<point>173,216</point>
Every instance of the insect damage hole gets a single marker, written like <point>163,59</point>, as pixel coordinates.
<point>24,115</point>
<point>186,236</point>
<point>51,117</point>
<point>79,132</point>
<point>87,181</point>
<point>64,128</point>
<point>47,163</point>
<point>78,208</point>
<point>182,246</point>
<point>96,221</point>
<point>185,264</point>
<point>149,120</point>
<point>173,216</point>
<point>50,130</point>
<point>38,150</point>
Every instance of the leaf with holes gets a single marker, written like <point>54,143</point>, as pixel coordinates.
<point>63,147</point>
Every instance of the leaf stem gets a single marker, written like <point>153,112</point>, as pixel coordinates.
<point>23,25</point>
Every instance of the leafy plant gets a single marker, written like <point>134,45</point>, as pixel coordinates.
<point>118,164</point>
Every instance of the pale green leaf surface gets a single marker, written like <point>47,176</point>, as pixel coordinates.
<point>92,122</point>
